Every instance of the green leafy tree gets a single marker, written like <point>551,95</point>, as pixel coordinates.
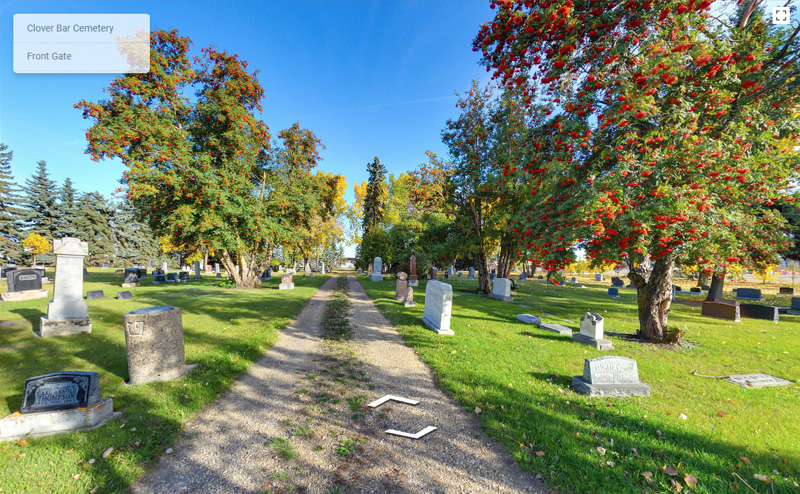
<point>661,133</point>
<point>201,170</point>
<point>10,212</point>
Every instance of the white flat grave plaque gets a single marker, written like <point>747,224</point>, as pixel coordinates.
<point>756,380</point>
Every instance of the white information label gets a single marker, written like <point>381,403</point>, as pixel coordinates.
<point>81,43</point>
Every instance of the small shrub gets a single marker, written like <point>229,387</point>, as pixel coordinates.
<point>283,448</point>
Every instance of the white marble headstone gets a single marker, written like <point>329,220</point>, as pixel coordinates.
<point>438,306</point>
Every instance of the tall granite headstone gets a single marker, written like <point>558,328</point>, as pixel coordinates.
<point>67,313</point>
<point>471,275</point>
<point>377,266</point>
<point>197,275</point>
<point>413,280</point>
<point>433,273</point>
<point>438,306</point>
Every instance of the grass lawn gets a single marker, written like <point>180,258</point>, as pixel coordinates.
<point>225,330</point>
<point>520,376</point>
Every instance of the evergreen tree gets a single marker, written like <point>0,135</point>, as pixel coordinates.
<point>10,247</point>
<point>67,212</point>
<point>94,223</point>
<point>39,203</point>
<point>373,207</point>
<point>134,241</point>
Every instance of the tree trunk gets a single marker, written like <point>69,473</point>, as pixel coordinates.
<point>483,272</point>
<point>717,283</point>
<point>654,289</point>
<point>504,262</point>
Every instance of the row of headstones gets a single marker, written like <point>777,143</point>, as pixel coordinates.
<point>71,400</point>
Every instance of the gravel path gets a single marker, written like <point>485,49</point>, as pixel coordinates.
<point>311,393</point>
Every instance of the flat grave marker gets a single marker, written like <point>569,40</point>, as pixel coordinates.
<point>758,380</point>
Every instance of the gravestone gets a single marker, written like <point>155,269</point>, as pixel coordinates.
<point>67,313</point>
<point>598,277</point>
<point>131,278</point>
<point>105,266</point>
<point>446,275</point>
<point>438,307</point>
<point>208,269</point>
<point>758,311</point>
<point>529,319</point>
<point>432,274</point>
<point>58,402</point>
<point>154,344</point>
<point>360,271</point>
<point>408,300</point>
<point>556,328</point>
<point>124,295</point>
<point>401,286</point>
<point>501,290</point>
<point>95,295</point>
<point>617,281</point>
<point>471,275</point>
<point>574,280</point>
<point>216,270</point>
<point>85,271</point>
<point>492,276</point>
<point>23,284</point>
<point>610,376</point>
<point>286,282</point>
<point>172,277</point>
<point>164,267</point>
<point>459,274</point>
<point>613,292</point>
<point>542,277</point>
<point>159,278</point>
<point>796,303</point>
<point>183,276</point>
<point>705,287</point>
<point>522,276</point>
<point>720,310</point>
<point>197,275</point>
<point>749,294</point>
<point>786,290</point>
<point>695,289</point>
<point>450,271</point>
<point>592,332</point>
<point>756,380</point>
<point>413,279</point>
<point>377,266</point>
<point>266,275</point>
<point>677,288</point>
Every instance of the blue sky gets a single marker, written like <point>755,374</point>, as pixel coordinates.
<point>369,78</point>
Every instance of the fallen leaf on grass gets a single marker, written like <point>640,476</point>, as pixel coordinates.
<point>722,414</point>
<point>108,452</point>
<point>690,479</point>
<point>635,452</point>
<point>675,485</point>
<point>76,476</point>
<point>454,351</point>
<point>601,450</point>
<point>669,471</point>
<point>746,460</point>
<point>762,478</point>
<point>22,442</point>
<point>648,476</point>
<point>540,453</point>
<point>683,416</point>
<point>478,410</point>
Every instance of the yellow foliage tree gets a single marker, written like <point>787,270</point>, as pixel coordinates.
<point>36,244</point>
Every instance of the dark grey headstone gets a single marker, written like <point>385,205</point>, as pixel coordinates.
<point>492,276</point>
<point>615,281</point>
<point>522,277</point>
<point>60,391</point>
<point>183,276</point>
<point>729,311</point>
<point>695,289</point>
<point>677,288</point>
<point>613,292</point>
<point>124,295</point>
<point>172,277</point>
<point>160,278</point>
<point>85,271</point>
<point>757,311</point>
<point>786,290</point>
<point>131,276</point>
<point>705,287</point>
<point>748,293</point>
<point>20,280</point>
<point>95,294</point>
<point>141,272</point>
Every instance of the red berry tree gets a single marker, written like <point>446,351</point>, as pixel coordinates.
<point>660,139</point>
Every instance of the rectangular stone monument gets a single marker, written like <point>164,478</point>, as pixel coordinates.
<point>401,286</point>
<point>695,289</point>
<point>95,294</point>
<point>172,277</point>
<point>749,294</point>
<point>131,278</point>
<point>610,376</point>
<point>433,273</point>
<point>522,276</point>
<point>408,300</point>
<point>615,281</point>
<point>592,332</point>
<point>377,266</point>
<point>55,403</point>
<point>786,290</point>
<point>154,344</point>
<point>159,278</point>
<point>613,292</point>
<point>67,313</point>
<point>501,290</point>
<point>286,282</point>
<point>598,277</point>
<point>720,310</point>
<point>164,267</point>
<point>197,275</point>
<point>124,295</point>
<point>471,275</point>
<point>23,284</point>
<point>450,271</point>
<point>183,276</point>
<point>758,311</point>
<point>438,306</point>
